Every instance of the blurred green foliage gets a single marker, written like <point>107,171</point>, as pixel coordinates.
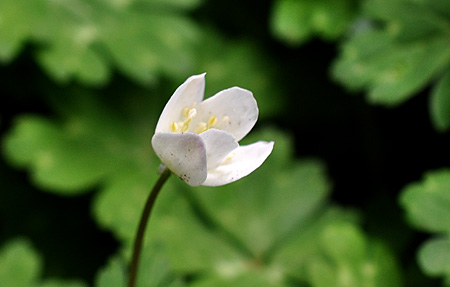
<point>396,50</point>
<point>104,71</point>
<point>21,266</point>
<point>86,40</point>
<point>297,21</point>
<point>427,204</point>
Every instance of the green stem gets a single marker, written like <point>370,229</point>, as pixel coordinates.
<point>134,265</point>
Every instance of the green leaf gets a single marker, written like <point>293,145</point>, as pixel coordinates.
<point>239,63</point>
<point>20,265</point>
<point>66,59</point>
<point>398,58</point>
<point>88,146</point>
<point>440,103</point>
<point>154,271</point>
<point>268,209</point>
<point>175,4</point>
<point>85,40</point>
<point>296,21</point>
<point>301,249</point>
<point>291,21</point>
<point>112,275</point>
<point>391,72</point>
<point>143,46</point>
<point>60,162</point>
<point>18,19</point>
<point>190,246</point>
<point>434,257</point>
<point>254,279</point>
<point>427,203</point>
<point>350,259</point>
<point>62,283</point>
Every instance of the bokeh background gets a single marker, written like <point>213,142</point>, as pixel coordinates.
<point>355,94</point>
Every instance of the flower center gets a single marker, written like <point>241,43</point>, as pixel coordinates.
<point>187,115</point>
<point>183,126</point>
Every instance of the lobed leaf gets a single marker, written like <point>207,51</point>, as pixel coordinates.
<point>427,203</point>
<point>295,22</point>
<point>434,257</point>
<point>86,40</point>
<point>350,259</point>
<point>399,50</point>
<point>20,265</point>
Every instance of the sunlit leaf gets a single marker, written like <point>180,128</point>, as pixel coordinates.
<point>427,203</point>
<point>395,60</point>
<point>301,247</point>
<point>154,271</point>
<point>85,148</point>
<point>260,211</point>
<point>255,279</point>
<point>62,283</point>
<point>112,275</point>
<point>20,265</point>
<point>434,257</point>
<point>296,21</point>
<point>86,40</point>
<point>350,259</point>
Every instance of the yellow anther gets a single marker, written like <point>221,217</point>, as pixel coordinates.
<point>187,121</point>
<point>201,128</point>
<point>185,112</point>
<point>229,158</point>
<point>184,128</point>
<point>192,113</point>
<point>212,121</point>
<point>174,127</point>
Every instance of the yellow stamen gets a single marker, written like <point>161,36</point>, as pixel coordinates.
<point>212,121</point>
<point>184,128</point>
<point>229,158</point>
<point>174,127</point>
<point>201,128</point>
<point>185,112</point>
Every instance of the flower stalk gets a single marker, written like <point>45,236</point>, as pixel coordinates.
<point>134,265</point>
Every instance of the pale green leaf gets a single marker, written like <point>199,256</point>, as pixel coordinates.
<point>20,265</point>
<point>271,201</point>
<point>88,146</point>
<point>300,249</point>
<point>350,259</point>
<point>85,40</point>
<point>112,275</point>
<point>396,51</point>
<point>434,257</point>
<point>427,203</point>
<point>62,283</point>
<point>296,21</point>
<point>257,278</point>
<point>154,271</point>
<point>60,162</point>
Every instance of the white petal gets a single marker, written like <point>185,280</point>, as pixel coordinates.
<point>189,93</point>
<point>184,154</point>
<point>246,159</point>
<point>218,145</point>
<point>235,108</point>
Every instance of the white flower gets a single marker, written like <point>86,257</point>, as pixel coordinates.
<point>198,140</point>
